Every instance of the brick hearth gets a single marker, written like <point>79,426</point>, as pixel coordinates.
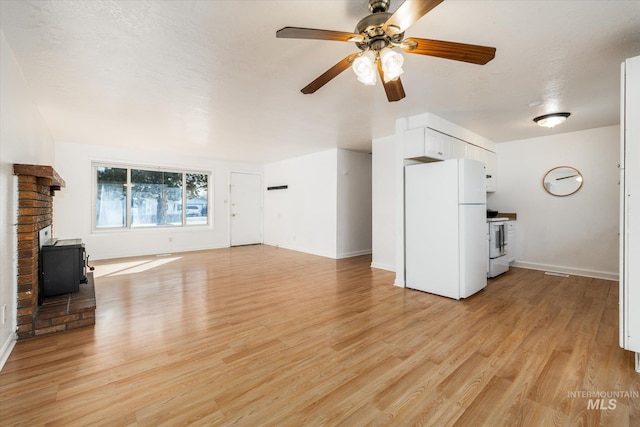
<point>36,187</point>
<point>69,311</point>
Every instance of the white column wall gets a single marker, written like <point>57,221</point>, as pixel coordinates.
<point>383,203</point>
<point>302,217</point>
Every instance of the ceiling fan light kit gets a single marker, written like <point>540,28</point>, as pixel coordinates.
<point>551,120</point>
<point>364,65</point>
<point>376,35</point>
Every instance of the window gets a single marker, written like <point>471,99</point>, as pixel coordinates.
<point>139,198</point>
<point>111,200</point>
<point>197,190</point>
<point>156,198</point>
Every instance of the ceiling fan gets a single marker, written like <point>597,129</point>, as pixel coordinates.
<point>376,35</point>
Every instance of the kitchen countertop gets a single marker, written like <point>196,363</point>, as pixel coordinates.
<point>510,215</point>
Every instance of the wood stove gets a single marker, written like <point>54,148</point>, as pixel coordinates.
<point>63,265</point>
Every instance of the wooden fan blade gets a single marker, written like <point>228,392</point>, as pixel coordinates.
<point>310,33</point>
<point>393,89</point>
<point>449,50</point>
<point>408,13</point>
<point>328,75</point>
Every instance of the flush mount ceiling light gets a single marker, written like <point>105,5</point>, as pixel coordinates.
<point>551,120</point>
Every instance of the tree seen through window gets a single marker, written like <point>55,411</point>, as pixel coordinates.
<point>157,198</point>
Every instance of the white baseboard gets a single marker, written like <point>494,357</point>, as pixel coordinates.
<point>605,275</point>
<point>354,253</point>
<point>382,266</point>
<point>7,347</point>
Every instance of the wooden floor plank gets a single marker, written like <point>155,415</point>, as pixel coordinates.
<point>259,335</point>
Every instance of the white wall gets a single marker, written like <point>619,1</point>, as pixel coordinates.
<point>24,138</point>
<point>73,205</point>
<point>577,234</point>
<point>326,209</point>
<point>383,206</point>
<point>302,217</point>
<point>354,204</point>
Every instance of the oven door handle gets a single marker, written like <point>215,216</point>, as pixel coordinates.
<point>502,239</point>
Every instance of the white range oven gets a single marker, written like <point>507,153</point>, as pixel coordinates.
<point>498,246</point>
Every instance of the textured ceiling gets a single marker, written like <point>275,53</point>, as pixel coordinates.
<point>209,78</point>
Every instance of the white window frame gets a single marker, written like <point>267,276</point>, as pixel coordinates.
<point>153,168</point>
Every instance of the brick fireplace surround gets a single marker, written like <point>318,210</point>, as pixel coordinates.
<point>36,188</point>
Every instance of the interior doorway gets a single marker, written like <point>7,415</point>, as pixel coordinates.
<point>245,195</point>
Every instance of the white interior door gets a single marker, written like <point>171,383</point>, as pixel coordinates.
<point>246,208</point>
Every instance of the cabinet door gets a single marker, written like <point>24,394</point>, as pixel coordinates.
<point>491,163</point>
<point>511,240</point>
<point>457,148</point>
<point>436,144</point>
<point>414,143</point>
<point>474,153</point>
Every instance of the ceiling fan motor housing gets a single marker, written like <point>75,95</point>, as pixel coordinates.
<point>375,38</point>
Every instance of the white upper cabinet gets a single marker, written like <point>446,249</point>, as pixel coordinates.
<point>414,143</point>
<point>491,162</point>
<point>436,144</point>
<point>431,144</point>
<point>426,144</point>
<point>489,159</point>
<point>474,153</point>
<point>429,138</point>
<point>457,148</point>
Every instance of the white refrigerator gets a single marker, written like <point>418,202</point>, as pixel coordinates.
<point>446,248</point>
<point>629,293</point>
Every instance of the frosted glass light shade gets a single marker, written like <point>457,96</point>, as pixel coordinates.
<point>364,67</point>
<point>551,120</point>
<point>391,63</point>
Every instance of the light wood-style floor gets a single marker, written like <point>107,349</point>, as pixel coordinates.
<point>258,335</point>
